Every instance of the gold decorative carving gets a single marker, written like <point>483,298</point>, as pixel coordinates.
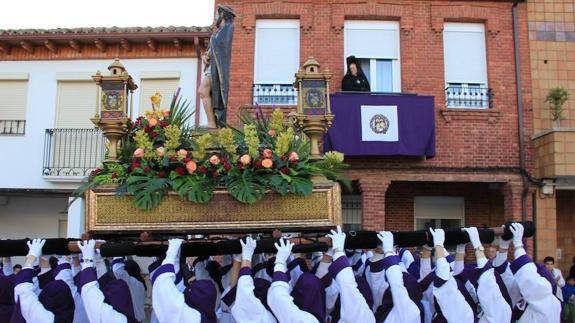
<point>108,213</point>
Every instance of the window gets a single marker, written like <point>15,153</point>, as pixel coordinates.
<point>376,45</point>
<point>276,61</point>
<point>166,86</point>
<point>351,212</point>
<point>439,212</point>
<point>465,66</point>
<point>76,104</point>
<point>13,106</point>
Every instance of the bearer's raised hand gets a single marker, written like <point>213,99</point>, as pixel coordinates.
<point>386,239</point>
<point>248,248</point>
<point>173,252</point>
<point>284,248</point>
<point>88,248</point>
<point>517,230</point>
<point>337,241</point>
<point>473,236</point>
<point>438,236</point>
<point>35,247</point>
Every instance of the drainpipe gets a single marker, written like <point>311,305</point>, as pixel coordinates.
<point>520,112</point>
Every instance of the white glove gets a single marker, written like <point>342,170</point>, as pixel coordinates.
<point>284,248</point>
<point>438,236</point>
<point>329,252</point>
<point>238,257</point>
<point>517,230</point>
<point>386,239</point>
<point>460,248</point>
<point>88,248</point>
<point>35,247</point>
<point>248,248</point>
<point>337,242</point>
<point>473,236</point>
<point>173,252</point>
<point>504,244</point>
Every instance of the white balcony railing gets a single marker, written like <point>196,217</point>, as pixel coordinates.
<point>274,94</point>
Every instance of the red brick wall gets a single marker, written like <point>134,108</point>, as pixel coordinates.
<point>482,206</point>
<point>464,139</point>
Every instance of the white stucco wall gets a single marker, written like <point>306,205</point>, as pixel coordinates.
<point>21,156</point>
<point>31,216</point>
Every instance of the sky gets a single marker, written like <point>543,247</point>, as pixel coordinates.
<point>47,14</point>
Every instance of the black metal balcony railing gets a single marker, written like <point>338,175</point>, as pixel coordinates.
<point>464,96</point>
<point>72,152</point>
<point>12,127</point>
<point>274,94</point>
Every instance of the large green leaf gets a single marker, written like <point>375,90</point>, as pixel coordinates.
<point>193,190</point>
<point>277,183</point>
<point>148,191</point>
<point>301,186</point>
<point>245,189</point>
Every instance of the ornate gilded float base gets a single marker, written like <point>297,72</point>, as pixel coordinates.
<point>108,213</point>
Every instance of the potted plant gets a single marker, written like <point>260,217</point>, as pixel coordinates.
<point>556,98</point>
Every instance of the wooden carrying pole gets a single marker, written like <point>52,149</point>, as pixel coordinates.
<point>222,246</point>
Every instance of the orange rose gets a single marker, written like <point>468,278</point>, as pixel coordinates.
<point>160,151</point>
<point>267,153</point>
<point>139,153</point>
<point>191,166</point>
<point>153,122</point>
<point>267,163</point>
<point>214,160</point>
<point>182,153</point>
<point>166,113</point>
<point>245,160</point>
<point>272,133</point>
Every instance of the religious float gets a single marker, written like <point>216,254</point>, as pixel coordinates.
<point>160,175</point>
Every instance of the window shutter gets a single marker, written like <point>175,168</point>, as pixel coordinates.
<point>167,87</point>
<point>76,104</point>
<point>439,207</point>
<point>276,51</point>
<point>464,53</point>
<point>372,39</point>
<point>13,102</point>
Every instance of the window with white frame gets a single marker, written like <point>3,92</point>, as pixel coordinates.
<point>13,105</point>
<point>276,60</point>
<point>376,45</point>
<point>465,66</point>
<point>166,83</point>
<point>444,212</point>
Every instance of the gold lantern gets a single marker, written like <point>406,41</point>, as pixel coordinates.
<point>114,106</point>
<point>313,116</point>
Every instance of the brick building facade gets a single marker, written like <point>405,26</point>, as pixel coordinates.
<point>476,174</point>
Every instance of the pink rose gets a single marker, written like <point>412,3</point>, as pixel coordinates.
<point>267,163</point>
<point>191,166</point>
<point>160,151</point>
<point>245,160</point>
<point>214,160</point>
<point>293,156</point>
<point>272,133</point>
<point>267,153</point>
<point>182,153</point>
<point>139,153</point>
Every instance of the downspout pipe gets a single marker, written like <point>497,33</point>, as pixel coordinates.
<point>520,124</point>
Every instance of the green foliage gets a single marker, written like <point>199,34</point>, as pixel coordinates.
<point>301,185</point>
<point>245,189</point>
<point>148,191</point>
<point>193,190</point>
<point>556,98</point>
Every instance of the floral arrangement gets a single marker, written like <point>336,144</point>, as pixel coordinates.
<point>162,153</point>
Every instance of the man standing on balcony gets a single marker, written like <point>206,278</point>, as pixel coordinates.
<point>354,79</point>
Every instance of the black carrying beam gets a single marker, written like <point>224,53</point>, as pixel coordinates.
<point>354,240</point>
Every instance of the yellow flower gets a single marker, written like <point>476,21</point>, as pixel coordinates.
<point>252,140</point>
<point>334,157</point>
<point>156,99</point>
<point>277,121</point>
<point>283,142</point>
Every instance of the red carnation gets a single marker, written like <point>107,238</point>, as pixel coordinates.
<point>283,158</point>
<point>164,124</point>
<point>227,167</point>
<point>239,166</point>
<point>258,164</point>
<point>173,159</point>
<point>147,130</point>
<point>180,170</point>
<point>284,170</point>
<point>215,173</point>
<point>161,174</point>
<point>95,172</point>
<point>186,160</point>
<point>153,134</point>
<point>114,175</point>
<point>203,169</point>
<point>135,165</point>
<point>147,169</point>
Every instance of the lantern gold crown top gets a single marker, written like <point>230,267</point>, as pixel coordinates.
<point>116,68</point>
<point>311,71</point>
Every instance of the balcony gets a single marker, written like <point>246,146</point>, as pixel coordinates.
<point>274,94</point>
<point>71,154</point>
<point>468,96</point>
<point>555,153</point>
<point>382,124</point>
<point>12,127</point>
